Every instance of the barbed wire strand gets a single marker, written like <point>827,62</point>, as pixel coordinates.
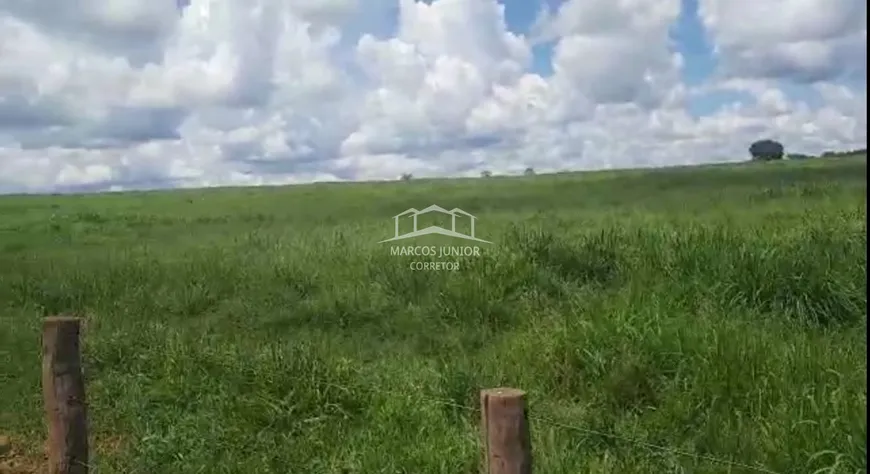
<point>699,457</point>
<point>551,422</point>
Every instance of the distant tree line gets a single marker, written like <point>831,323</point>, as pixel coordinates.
<point>833,154</point>
<point>828,154</point>
<point>761,150</point>
<point>483,174</point>
<point>771,150</point>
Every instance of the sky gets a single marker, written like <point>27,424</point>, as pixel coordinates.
<point>112,95</point>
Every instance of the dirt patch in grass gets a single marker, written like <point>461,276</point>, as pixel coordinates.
<point>18,456</point>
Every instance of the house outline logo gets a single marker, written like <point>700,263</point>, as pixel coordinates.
<point>434,229</point>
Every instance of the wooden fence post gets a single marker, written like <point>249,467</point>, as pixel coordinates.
<point>505,425</point>
<point>63,391</point>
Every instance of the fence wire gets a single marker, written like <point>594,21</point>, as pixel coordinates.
<point>553,423</point>
<point>539,419</point>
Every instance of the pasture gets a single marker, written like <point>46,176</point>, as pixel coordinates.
<point>718,312</point>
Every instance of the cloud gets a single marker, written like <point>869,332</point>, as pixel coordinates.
<point>126,94</point>
<point>807,40</point>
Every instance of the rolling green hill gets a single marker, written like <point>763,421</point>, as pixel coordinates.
<point>716,311</point>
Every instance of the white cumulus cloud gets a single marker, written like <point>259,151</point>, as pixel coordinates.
<point>123,94</point>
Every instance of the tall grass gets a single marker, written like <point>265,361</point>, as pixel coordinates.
<point>719,312</point>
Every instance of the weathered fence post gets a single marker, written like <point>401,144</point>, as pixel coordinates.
<point>505,425</point>
<point>63,391</point>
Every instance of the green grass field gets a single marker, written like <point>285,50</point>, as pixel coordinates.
<point>717,311</point>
